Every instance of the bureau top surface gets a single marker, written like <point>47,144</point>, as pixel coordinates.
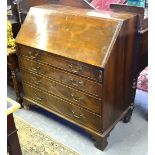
<point>79,34</point>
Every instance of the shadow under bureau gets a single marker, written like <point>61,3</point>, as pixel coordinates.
<point>79,64</point>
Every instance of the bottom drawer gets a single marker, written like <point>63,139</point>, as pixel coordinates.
<point>56,104</point>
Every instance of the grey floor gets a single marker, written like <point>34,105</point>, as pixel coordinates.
<point>125,139</point>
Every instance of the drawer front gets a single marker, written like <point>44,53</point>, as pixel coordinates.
<point>86,101</point>
<point>75,113</point>
<point>63,77</point>
<point>65,64</point>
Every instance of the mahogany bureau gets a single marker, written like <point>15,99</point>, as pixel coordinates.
<point>78,64</point>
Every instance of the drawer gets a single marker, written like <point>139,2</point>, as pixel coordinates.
<point>62,107</point>
<point>72,80</point>
<point>62,63</point>
<point>65,92</point>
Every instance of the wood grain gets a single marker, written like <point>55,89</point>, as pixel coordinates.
<point>80,65</point>
<point>61,63</point>
<point>67,32</point>
<point>65,92</point>
<point>64,108</point>
<point>62,76</point>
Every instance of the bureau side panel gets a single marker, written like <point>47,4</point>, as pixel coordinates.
<point>118,75</point>
<point>143,58</point>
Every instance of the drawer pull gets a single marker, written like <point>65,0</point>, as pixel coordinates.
<point>77,116</point>
<point>30,53</point>
<point>75,98</point>
<point>35,68</point>
<point>38,98</point>
<point>36,81</point>
<point>76,83</point>
<point>33,56</point>
<point>75,69</point>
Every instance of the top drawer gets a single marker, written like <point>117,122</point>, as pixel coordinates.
<point>59,62</point>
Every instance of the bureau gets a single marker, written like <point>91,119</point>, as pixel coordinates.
<point>79,65</point>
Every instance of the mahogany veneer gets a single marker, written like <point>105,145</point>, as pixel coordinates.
<point>78,64</point>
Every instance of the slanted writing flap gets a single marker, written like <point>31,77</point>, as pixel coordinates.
<point>86,36</point>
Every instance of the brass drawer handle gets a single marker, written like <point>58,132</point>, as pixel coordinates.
<point>33,55</point>
<point>75,98</point>
<point>77,116</point>
<point>38,98</point>
<point>75,69</point>
<point>35,68</point>
<point>76,83</point>
<point>36,81</point>
<point>30,53</point>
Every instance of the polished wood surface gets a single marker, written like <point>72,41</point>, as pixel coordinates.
<point>142,34</point>
<point>141,12</point>
<point>61,63</point>
<point>24,6</point>
<point>143,48</point>
<point>62,76</point>
<point>84,71</point>
<point>69,31</point>
<point>63,91</point>
<point>119,74</point>
<point>64,108</point>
